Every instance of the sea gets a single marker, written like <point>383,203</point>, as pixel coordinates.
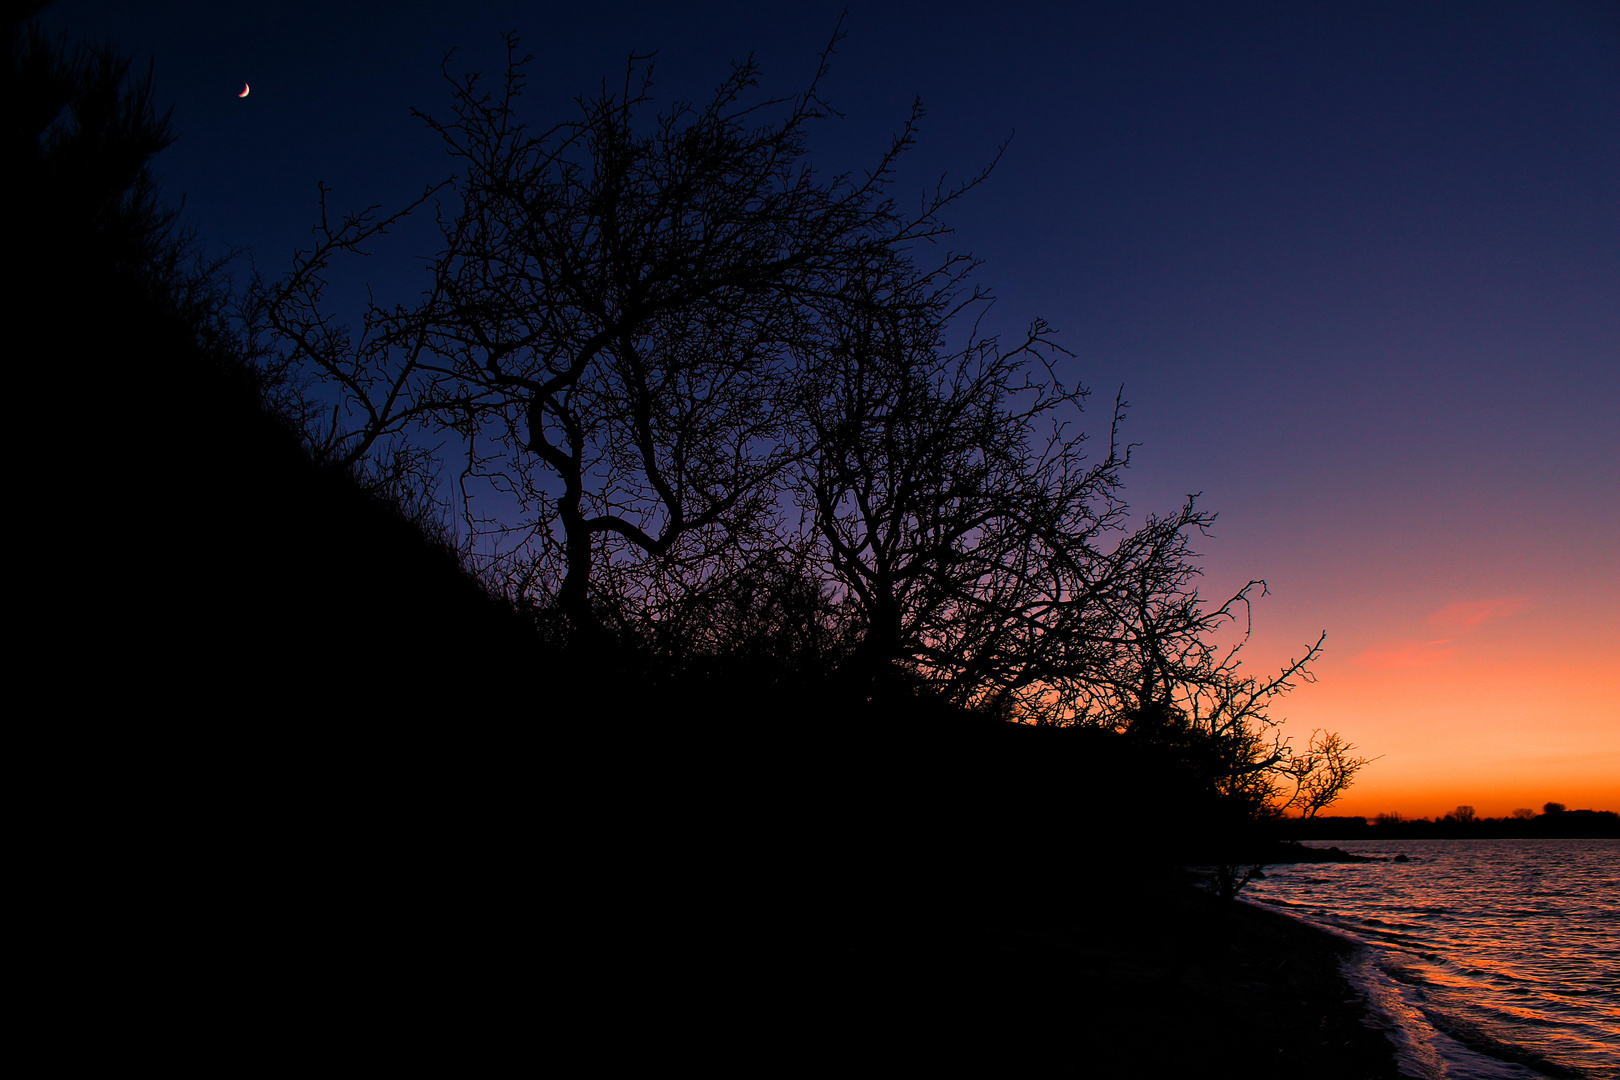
<point>1482,959</point>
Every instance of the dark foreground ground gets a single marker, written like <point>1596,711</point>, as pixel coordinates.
<point>470,934</point>
<point>1151,978</point>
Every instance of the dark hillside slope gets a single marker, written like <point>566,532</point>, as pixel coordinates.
<point>266,790</point>
<point>202,560</point>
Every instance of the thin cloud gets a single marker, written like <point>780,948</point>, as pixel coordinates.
<point>1406,655</point>
<point>1462,613</point>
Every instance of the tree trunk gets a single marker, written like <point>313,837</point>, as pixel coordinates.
<point>573,598</point>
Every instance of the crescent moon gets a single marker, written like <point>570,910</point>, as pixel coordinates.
<point>244,92</point>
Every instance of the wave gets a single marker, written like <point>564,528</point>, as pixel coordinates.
<point>1433,1044</point>
<point>1475,969</point>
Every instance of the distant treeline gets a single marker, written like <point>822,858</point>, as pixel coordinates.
<point>1573,824</point>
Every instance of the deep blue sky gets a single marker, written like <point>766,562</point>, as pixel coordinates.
<point>1356,264</point>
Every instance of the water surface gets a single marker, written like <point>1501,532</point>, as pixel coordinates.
<point>1486,959</point>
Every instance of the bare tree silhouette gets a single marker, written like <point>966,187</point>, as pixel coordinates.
<point>990,562</point>
<point>1323,772</point>
<point>950,504</point>
<point>609,325</point>
<point>683,370</point>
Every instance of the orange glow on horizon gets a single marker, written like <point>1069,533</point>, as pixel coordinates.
<point>1498,702</point>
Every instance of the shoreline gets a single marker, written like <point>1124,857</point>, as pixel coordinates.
<point>1500,975</point>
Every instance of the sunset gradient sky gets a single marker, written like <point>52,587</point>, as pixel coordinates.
<point>1356,265</point>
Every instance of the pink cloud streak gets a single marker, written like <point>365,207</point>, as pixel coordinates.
<point>1460,613</point>
<point>1403,655</point>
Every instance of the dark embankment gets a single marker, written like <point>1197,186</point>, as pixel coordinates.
<point>291,792</point>
<point>932,889</point>
<point>1145,977</point>
<point>305,788</point>
<point>274,788</point>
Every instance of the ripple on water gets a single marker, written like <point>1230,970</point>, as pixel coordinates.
<point>1495,956</point>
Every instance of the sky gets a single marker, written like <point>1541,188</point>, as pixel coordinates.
<point>1355,265</point>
